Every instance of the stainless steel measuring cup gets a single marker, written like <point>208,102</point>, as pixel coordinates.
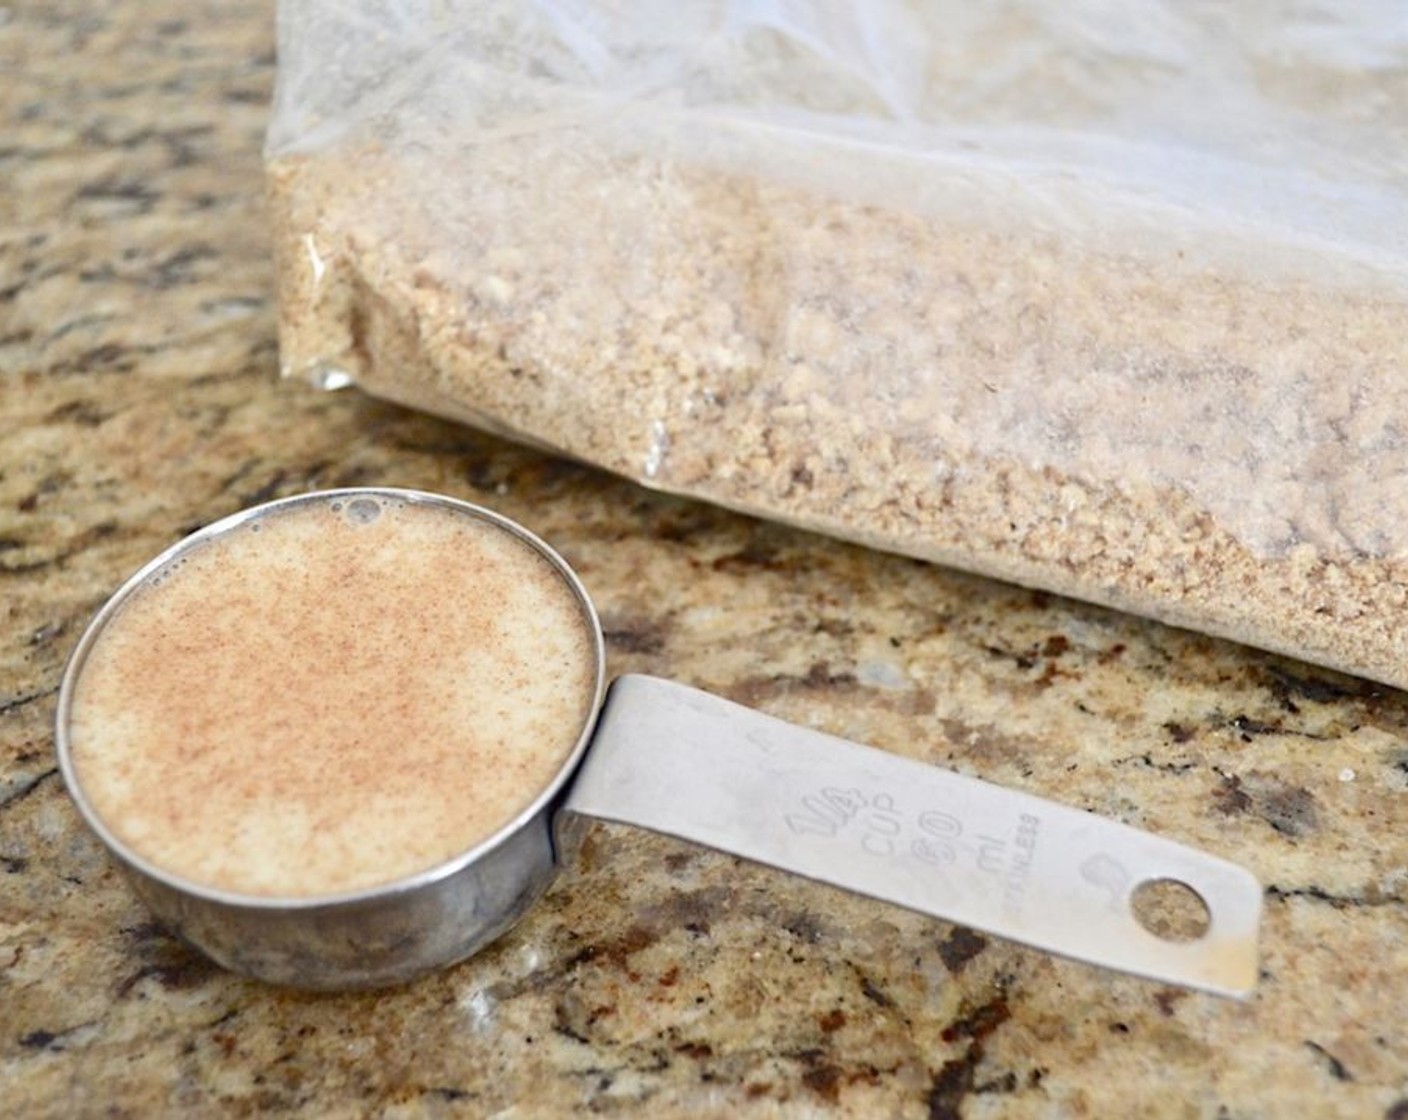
<point>676,760</point>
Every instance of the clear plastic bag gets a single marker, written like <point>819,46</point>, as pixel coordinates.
<point>1102,298</point>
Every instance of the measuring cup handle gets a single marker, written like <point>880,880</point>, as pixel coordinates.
<point>683,762</point>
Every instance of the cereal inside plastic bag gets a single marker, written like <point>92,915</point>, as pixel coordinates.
<point>1106,299</point>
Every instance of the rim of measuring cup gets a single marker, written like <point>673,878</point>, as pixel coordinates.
<point>404,884</point>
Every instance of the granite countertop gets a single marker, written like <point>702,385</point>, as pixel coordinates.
<point>139,399</point>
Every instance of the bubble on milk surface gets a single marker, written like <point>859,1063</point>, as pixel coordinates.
<point>362,511</point>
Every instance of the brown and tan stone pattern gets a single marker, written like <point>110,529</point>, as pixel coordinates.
<point>138,399</point>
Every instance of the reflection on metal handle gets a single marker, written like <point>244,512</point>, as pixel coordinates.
<point>683,762</point>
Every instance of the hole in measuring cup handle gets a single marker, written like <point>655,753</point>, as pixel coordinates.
<point>1171,909</point>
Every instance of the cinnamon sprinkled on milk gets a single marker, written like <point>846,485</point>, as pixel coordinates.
<point>333,696</point>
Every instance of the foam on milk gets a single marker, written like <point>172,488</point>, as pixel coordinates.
<point>335,695</point>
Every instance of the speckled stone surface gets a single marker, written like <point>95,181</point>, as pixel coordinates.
<point>139,399</point>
